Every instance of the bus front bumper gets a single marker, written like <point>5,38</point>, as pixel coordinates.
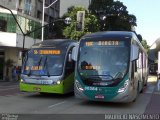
<point>58,88</point>
<point>107,96</point>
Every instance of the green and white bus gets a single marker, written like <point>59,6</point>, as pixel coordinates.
<point>48,67</point>
<point>110,66</point>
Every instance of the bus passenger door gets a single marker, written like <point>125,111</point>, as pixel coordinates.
<point>134,75</point>
<point>69,74</point>
<point>134,68</point>
<point>140,71</point>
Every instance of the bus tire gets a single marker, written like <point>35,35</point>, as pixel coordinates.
<point>142,86</point>
<point>146,83</point>
<point>141,90</point>
<point>42,93</point>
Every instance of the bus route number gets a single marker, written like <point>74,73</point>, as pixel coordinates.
<point>91,88</point>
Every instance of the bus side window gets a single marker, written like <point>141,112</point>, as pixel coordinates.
<point>134,67</point>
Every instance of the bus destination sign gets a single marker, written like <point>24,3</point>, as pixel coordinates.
<point>104,43</point>
<point>47,52</point>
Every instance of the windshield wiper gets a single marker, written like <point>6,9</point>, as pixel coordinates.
<point>94,77</point>
<point>39,62</point>
<point>119,75</point>
<point>101,77</point>
<point>45,64</point>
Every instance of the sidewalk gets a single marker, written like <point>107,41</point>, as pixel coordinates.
<point>154,105</point>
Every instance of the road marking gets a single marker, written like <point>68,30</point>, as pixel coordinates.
<point>56,104</point>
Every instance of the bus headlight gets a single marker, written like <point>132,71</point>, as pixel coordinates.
<point>22,80</point>
<point>78,85</point>
<point>123,88</point>
<point>58,82</point>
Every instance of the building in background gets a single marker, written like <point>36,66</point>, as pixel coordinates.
<point>153,56</point>
<point>65,4</point>
<point>29,16</point>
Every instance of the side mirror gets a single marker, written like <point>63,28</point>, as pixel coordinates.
<point>134,52</point>
<point>75,53</point>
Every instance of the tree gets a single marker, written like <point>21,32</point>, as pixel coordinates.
<point>32,26</point>
<point>57,29</point>
<point>90,23</point>
<point>117,17</point>
<point>145,45</point>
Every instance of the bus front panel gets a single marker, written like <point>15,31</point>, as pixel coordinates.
<point>53,84</point>
<point>43,71</point>
<point>102,72</point>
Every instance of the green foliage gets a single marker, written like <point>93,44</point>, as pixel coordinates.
<point>117,17</point>
<point>90,23</point>
<point>58,29</point>
<point>145,45</point>
<point>34,25</point>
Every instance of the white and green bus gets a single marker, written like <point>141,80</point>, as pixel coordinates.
<point>110,66</point>
<point>48,67</point>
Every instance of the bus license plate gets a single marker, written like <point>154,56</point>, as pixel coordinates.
<point>99,96</point>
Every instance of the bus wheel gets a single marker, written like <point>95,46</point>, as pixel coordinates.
<point>146,81</point>
<point>42,93</point>
<point>142,86</point>
<point>141,90</point>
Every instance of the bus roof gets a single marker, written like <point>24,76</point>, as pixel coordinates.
<point>54,43</point>
<point>111,34</point>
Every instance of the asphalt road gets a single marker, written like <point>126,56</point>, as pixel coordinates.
<point>15,102</point>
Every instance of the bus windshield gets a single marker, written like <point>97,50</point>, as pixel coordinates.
<point>103,60</point>
<point>44,62</point>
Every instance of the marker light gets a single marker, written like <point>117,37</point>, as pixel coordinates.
<point>123,88</point>
<point>58,82</point>
<point>78,85</point>
<point>22,80</point>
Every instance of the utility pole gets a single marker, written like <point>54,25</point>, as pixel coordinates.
<point>43,15</point>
